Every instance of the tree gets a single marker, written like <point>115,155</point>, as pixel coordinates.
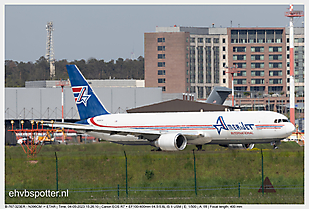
<point>16,73</point>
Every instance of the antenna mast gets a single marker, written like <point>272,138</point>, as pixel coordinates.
<point>50,49</point>
<point>291,14</point>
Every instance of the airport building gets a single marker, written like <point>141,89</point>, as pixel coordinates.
<point>42,99</point>
<point>94,83</point>
<point>195,59</point>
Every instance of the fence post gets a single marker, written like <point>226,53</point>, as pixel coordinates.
<point>126,173</point>
<point>194,174</point>
<point>118,191</point>
<point>262,173</point>
<point>56,171</point>
<point>238,189</point>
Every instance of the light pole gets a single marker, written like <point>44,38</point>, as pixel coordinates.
<point>232,70</point>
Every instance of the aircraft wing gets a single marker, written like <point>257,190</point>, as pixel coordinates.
<point>190,135</point>
<point>87,128</point>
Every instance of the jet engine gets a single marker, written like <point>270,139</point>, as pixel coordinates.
<point>171,142</point>
<point>238,146</point>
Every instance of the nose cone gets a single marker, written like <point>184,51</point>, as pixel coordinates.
<point>290,128</point>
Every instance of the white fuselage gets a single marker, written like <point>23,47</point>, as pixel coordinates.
<point>219,127</point>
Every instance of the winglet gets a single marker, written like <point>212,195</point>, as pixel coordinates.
<point>87,102</point>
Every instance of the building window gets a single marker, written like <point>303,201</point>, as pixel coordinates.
<point>163,88</point>
<point>224,80</point>
<point>275,65</point>
<point>192,40</point>
<point>270,36</point>
<point>239,57</point>
<point>275,57</point>
<point>161,40</point>
<point>257,65</point>
<point>223,40</point>
<point>299,40</point>
<point>224,56</point>
<point>275,81</point>
<point>257,88</point>
<point>257,49</point>
<point>252,36</point>
<point>161,56</point>
<point>241,88</point>
<point>161,72</point>
<point>257,81</point>
<point>239,49</point>
<point>257,57</point>
<point>216,40</point>
<point>200,92</point>
<point>241,73</point>
<point>223,48</point>
<point>243,36</point>
<point>275,49</point>
<point>275,88</point>
<point>275,73</point>
<point>260,36</point>
<point>161,64</point>
<point>240,81</point>
<point>161,48</point>
<point>200,40</point>
<point>208,40</point>
<point>257,73</point>
<point>161,80</point>
<point>240,65</point>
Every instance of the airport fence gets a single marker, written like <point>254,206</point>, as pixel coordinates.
<point>123,175</point>
<point>236,189</point>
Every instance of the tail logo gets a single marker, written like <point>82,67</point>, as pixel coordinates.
<point>81,94</point>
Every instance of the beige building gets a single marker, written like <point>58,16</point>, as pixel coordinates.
<point>195,59</point>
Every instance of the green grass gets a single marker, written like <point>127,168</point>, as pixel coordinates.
<point>101,166</point>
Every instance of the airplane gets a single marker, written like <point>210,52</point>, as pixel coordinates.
<point>173,131</point>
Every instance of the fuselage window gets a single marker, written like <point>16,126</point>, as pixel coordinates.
<point>276,121</point>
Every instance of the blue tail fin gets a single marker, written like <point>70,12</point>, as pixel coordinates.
<point>87,102</point>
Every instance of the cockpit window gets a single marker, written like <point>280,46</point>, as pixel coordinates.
<point>280,120</point>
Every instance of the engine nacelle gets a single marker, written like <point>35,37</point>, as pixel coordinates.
<point>171,142</point>
<point>238,146</point>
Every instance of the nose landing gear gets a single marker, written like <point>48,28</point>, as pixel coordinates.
<point>275,144</point>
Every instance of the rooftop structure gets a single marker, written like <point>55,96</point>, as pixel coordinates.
<point>93,83</point>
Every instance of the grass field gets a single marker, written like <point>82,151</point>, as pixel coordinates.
<point>96,173</point>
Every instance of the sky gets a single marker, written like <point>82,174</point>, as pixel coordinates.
<point>107,32</point>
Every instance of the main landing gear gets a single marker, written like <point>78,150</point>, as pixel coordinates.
<point>156,149</point>
<point>199,147</point>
